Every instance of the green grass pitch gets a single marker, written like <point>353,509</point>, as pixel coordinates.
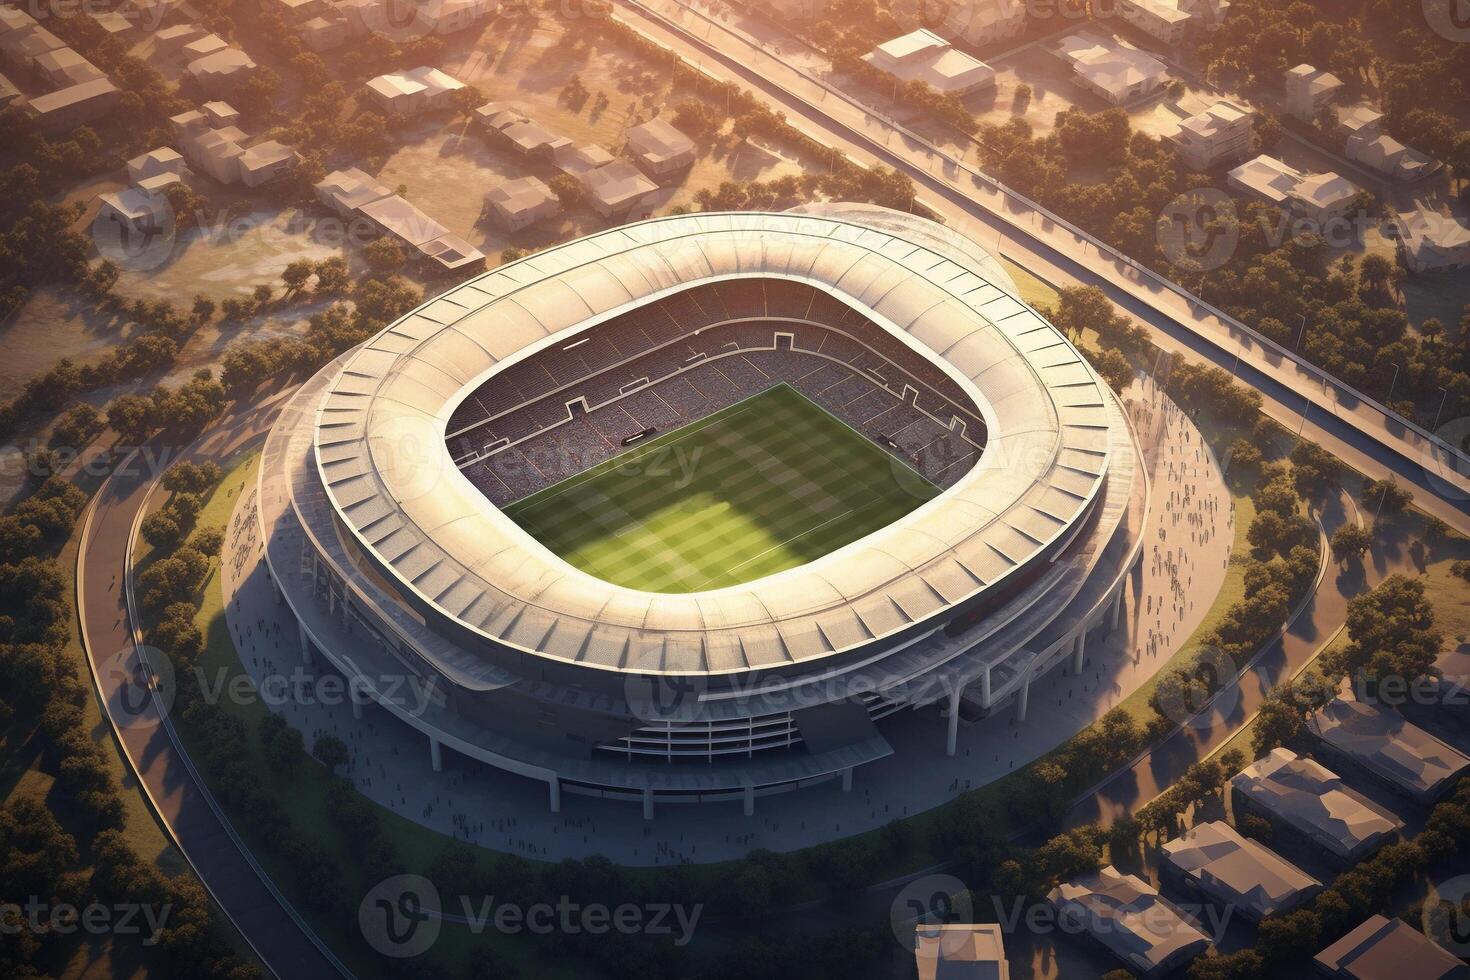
<point>769,483</point>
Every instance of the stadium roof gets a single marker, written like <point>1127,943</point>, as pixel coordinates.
<point>383,462</point>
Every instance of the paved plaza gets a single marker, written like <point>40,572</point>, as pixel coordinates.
<point>1185,558</point>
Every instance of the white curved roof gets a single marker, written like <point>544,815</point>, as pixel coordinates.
<point>382,458</point>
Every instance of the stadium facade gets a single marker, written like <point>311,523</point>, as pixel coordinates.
<point>383,480</point>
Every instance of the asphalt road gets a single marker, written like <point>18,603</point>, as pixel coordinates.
<point>173,786</point>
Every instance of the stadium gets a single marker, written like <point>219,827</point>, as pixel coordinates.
<point>686,510</point>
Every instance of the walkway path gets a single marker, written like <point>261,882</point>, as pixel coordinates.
<point>109,635</point>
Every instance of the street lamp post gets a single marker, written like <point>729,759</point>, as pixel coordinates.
<point>1301,332</point>
<point>1391,384</point>
<point>1444,394</point>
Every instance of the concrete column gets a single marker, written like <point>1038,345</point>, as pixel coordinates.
<point>985,696</point>
<point>847,780</point>
<point>1025,695</point>
<point>1078,648</point>
<point>331,600</point>
<point>750,801</point>
<point>647,803</point>
<point>555,786</point>
<point>436,758</point>
<point>1117,609</point>
<point>306,654</point>
<point>954,719</point>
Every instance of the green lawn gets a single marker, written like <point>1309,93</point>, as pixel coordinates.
<point>769,483</point>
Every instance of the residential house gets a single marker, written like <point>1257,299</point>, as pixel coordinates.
<point>1313,800</point>
<point>1388,949</point>
<point>1320,197</point>
<point>1309,91</point>
<point>923,56</point>
<point>519,203</point>
<point>659,148</point>
<point>1219,134</point>
<point>410,93</point>
<point>1111,67</point>
<point>1128,917</point>
<point>961,951</point>
<point>1403,755</point>
<point>1236,871</point>
<point>76,105</point>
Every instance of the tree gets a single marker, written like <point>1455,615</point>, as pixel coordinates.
<point>332,277</point>
<point>1392,634</point>
<point>1114,368</point>
<point>383,256</point>
<point>1386,497</point>
<point>331,752</point>
<point>132,418</point>
<point>1350,543</point>
<point>567,190</point>
<point>296,274</point>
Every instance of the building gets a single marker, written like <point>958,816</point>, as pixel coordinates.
<point>557,676</point>
<point>1309,91</point>
<point>171,40</point>
<point>115,25</point>
<point>1236,871</point>
<point>619,190</point>
<point>1403,755</point>
<point>76,105</point>
<point>345,191</point>
<point>163,160</point>
<point>264,162</point>
<point>1173,21</point>
<point>422,236</point>
<point>923,56</point>
<point>1219,134</point>
<point>1320,197</point>
<point>960,952</point>
<point>1451,671</point>
<point>214,145</point>
<point>217,72</point>
<point>660,149</point>
<point>1383,153</point>
<point>1128,918</point>
<point>980,22</point>
<point>8,92</point>
<point>1312,800</point>
<point>202,46</point>
<point>532,140</point>
<point>406,93</point>
<point>1111,68</point>
<point>496,117</point>
<point>64,67</point>
<point>23,40</point>
<point>300,11</point>
<point>1388,949</point>
<point>326,33</point>
<point>137,212</point>
<point>1358,118</point>
<point>519,203</point>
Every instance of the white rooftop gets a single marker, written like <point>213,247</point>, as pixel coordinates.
<point>1126,915</point>
<point>1110,63</point>
<point>1380,740</point>
<point>1312,799</point>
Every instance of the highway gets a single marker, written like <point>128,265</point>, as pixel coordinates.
<point>140,717</point>
<point>1300,397</point>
